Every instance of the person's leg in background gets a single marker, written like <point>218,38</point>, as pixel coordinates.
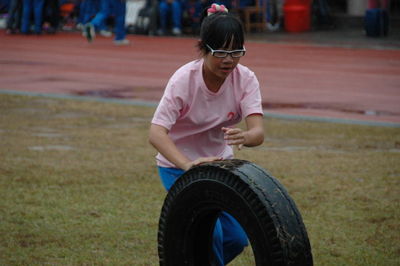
<point>87,10</point>
<point>38,15</point>
<point>98,22</point>
<point>164,10</point>
<point>26,16</point>
<point>12,8</point>
<point>273,15</point>
<point>153,4</point>
<point>176,10</point>
<point>37,7</point>
<point>120,31</point>
<point>14,16</point>
<point>107,8</point>
<point>104,12</point>
<point>83,9</point>
<point>51,14</point>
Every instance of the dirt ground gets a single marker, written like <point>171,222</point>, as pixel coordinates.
<point>301,79</point>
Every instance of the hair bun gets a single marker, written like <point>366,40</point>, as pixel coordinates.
<point>215,8</point>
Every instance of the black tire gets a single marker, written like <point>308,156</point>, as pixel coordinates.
<point>257,201</point>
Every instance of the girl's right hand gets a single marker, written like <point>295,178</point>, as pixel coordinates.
<point>201,160</point>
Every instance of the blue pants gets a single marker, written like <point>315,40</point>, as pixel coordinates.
<point>174,10</point>
<point>108,7</point>
<point>27,7</point>
<point>14,15</point>
<point>229,238</point>
<point>87,9</point>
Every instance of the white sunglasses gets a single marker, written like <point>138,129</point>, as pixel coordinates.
<point>224,53</point>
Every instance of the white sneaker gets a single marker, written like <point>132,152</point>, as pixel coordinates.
<point>122,42</point>
<point>105,33</point>
<point>160,32</point>
<point>273,27</point>
<point>176,31</point>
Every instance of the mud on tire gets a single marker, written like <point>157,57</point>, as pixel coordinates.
<point>250,194</point>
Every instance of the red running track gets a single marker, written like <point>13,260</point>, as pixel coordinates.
<point>310,80</point>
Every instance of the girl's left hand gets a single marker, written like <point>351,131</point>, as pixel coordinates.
<point>234,136</point>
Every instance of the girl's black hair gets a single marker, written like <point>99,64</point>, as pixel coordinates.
<point>218,30</point>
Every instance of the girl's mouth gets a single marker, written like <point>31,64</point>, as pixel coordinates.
<point>226,69</point>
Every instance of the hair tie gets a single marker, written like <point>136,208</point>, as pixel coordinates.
<point>215,8</point>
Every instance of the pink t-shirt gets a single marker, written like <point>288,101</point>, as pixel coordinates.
<point>194,115</point>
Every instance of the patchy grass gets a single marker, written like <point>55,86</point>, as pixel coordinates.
<point>78,185</point>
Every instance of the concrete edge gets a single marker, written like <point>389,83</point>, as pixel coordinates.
<point>154,104</point>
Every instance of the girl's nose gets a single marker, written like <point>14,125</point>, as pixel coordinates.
<point>228,58</point>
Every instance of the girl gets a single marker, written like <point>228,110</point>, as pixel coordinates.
<point>203,100</point>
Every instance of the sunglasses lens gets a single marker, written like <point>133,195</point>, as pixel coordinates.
<point>220,54</point>
<point>238,54</point>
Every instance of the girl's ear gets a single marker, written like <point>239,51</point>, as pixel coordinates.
<point>201,46</point>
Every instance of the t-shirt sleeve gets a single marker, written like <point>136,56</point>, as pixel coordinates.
<point>251,100</point>
<point>170,106</point>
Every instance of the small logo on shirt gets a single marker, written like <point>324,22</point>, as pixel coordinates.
<point>231,115</point>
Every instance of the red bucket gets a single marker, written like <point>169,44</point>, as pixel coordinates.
<point>297,18</point>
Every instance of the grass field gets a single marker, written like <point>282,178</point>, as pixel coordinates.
<point>78,185</point>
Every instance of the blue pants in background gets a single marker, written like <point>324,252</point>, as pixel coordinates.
<point>229,238</point>
<point>14,15</point>
<point>174,10</point>
<point>118,9</point>
<point>87,9</point>
<point>27,7</point>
